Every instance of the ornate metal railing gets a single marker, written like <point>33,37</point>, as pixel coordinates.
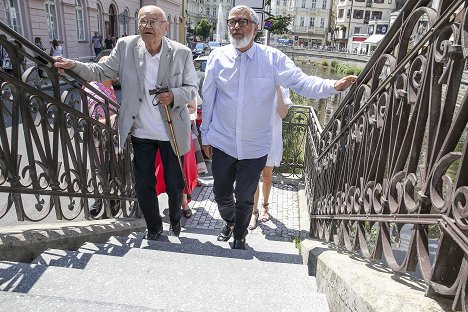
<point>56,155</point>
<point>390,178</point>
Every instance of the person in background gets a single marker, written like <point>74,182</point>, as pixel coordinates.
<point>96,111</point>
<point>5,58</point>
<point>143,62</point>
<point>237,118</point>
<point>42,61</point>
<point>56,49</point>
<point>274,157</point>
<point>21,57</point>
<point>109,42</point>
<point>96,43</point>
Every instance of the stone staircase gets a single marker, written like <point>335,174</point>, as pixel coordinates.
<point>193,272</point>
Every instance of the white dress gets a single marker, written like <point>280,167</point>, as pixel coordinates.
<point>276,152</point>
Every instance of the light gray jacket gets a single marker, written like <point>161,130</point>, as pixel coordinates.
<point>176,71</point>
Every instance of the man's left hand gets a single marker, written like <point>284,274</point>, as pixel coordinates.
<point>345,82</point>
<point>166,98</point>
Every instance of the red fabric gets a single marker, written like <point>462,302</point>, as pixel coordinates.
<point>190,171</point>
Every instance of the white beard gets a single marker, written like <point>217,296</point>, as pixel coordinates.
<point>241,43</point>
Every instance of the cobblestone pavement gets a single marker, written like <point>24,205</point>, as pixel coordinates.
<point>283,207</point>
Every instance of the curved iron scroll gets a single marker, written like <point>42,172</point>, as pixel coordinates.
<point>390,176</point>
<point>58,155</point>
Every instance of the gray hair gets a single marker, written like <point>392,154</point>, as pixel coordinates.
<point>154,7</point>
<point>253,15</point>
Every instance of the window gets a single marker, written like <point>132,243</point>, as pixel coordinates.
<point>285,2</point>
<point>126,20</point>
<point>358,14</point>
<point>13,16</point>
<point>357,30</point>
<point>136,22</point>
<point>340,13</point>
<point>277,2</point>
<point>348,13</point>
<point>52,19</point>
<point>79,20</point>
<point>378,1</point>
<point>377,15</point>
<point>312,22</point>
<point>359,0</point>
<point>301,23</point>
<point>313,4</point>
<point>99,19</point>
<point>208,11</point>
<point>324,4</point>
<point>214,11</point>
<point>303,4</point>
<point>322,22</point>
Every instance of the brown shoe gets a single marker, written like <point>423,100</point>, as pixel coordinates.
<point>187,212</point>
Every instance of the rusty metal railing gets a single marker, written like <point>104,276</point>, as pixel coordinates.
<point>57,156</point>
<point>390,177</point>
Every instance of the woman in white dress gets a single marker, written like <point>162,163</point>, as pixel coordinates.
<point>283,103</point>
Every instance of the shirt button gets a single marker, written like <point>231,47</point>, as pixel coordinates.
<point>133,117</point>
<point>141,100</point>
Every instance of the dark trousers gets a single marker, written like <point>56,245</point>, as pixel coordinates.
<point>97,50</point>
<point>246,173</point>
<point>144,153</point>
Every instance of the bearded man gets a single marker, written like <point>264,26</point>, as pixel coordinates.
<point>238,110</point>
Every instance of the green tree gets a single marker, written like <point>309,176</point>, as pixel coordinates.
<point>203,28</point>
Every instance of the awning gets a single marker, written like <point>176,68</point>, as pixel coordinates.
<point>374,39</point>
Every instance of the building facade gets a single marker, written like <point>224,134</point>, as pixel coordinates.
<point>357,20</point>
<point>73,22</point>
<point>206,9</point>
<point>311,20</point>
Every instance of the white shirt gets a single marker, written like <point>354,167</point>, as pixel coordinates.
<point>149,123</point>
<point>239,97</point>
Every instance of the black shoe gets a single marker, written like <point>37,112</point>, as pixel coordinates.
<point>238,244</point>
<point>153,235</point>
<point>226,233</point>
<point>175,227</point>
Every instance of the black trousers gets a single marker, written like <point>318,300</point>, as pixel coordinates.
<point>144,152</point>
<point>246,173</point>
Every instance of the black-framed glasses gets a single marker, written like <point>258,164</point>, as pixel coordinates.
<point>151,23</point>
<point>243,22</point>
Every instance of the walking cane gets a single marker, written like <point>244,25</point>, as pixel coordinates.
<point>156,92</point>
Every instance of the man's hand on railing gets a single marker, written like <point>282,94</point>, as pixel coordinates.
<point>63,63</point>
<point>345,82</point>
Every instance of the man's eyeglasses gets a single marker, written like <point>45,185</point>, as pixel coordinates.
<point>150,23</point>
<point>243,22</point>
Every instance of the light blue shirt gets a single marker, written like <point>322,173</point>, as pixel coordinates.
<point>239,97</point>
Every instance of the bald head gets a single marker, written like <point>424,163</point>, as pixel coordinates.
<point>152,10</point>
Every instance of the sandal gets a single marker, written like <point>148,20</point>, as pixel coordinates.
<point>265,215</point>
<point>253,221</point>
<point>187,212</point>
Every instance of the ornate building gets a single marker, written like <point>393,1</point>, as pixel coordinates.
<point>73,22</point>
<point>207,9</point>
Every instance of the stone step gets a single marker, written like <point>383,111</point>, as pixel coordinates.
<point>166,280</point>
<point>165,287</point>
<point>19,302</point>
<point>204,242</point>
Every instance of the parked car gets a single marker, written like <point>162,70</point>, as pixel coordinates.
<point>106,52</point>
<point>200,66</point>
<point>213,45</point>
<point>200,48</point>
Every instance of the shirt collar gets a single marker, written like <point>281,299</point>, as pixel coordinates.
<point>250,52</point>
<point>154,57</point>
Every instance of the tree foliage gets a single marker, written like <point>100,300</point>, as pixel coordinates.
<point>280,24</point>
<point>203,28</point>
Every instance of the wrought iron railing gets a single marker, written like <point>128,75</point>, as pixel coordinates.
<point>57,156</point>
<point>390,177</point>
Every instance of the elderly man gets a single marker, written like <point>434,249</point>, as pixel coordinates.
<point>238,109</point>
<point>143,62</point>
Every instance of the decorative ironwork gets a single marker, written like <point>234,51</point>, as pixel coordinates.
<point>390,177</point>
<point>57,156</point>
